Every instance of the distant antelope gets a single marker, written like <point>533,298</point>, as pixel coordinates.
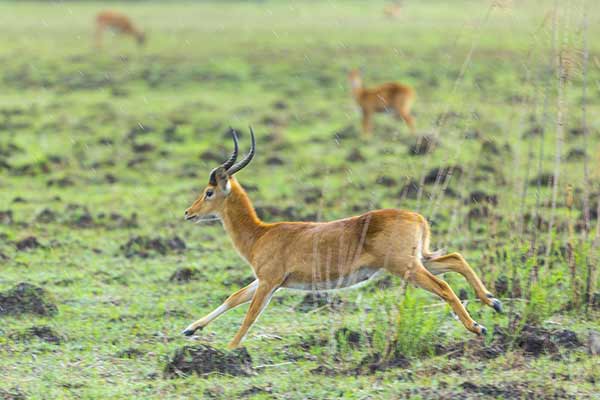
<point>393,10</point>
<point>389,96</point>
<point>318,256</point>
<point>119,23</point>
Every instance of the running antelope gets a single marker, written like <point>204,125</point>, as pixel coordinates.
<point>387,97</point>
<point>319,256</point>
<point>119,23</point>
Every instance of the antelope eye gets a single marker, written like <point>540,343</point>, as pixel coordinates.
<point>209,193</point>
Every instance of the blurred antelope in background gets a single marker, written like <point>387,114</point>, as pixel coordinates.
<point>387,97</point>
<point>393,10</point>
<point>317,256</point>
<point>118,23</point>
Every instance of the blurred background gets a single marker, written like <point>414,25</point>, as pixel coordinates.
<point>106,138</point>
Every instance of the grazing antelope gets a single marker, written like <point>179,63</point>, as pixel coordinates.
<point>319,256</point>
<point>389,96</point>
<point>119,23</point>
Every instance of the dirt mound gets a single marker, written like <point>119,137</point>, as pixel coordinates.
<point>28,243</point>
<point>144,247</point>
<point>204,360</point>
<point>479,197</point>
<point>312,301</point>
<point>441,174</point>
<point>536,341</point>
<point>26,298</point>
<point>130,353</point>
<point>60,182</point>
<point>46,216</point>
<point>575,154</point>
<point>532,340</point>
<point>386,181</point>
<point>410,190</point>
<point>142,147</point>
<point>545,179</point>
<point>377,362</point>
<point>423,145</point>
<point>115,220</point>
<point>44,333</point>
<point>355,156</point>
<point>367,366</point>
<point>182,275</point>
<point>502,391</point>
<point>347,132</point>
<point>274,160</point>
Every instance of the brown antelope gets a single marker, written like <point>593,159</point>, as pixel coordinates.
<point>389,96</point>
<point>119,23</point>
<point>320,256</point>
<point>393,10</point>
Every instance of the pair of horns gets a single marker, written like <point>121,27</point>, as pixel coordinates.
<point>230,166</point>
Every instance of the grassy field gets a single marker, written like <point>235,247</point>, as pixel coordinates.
<point>101,151</point>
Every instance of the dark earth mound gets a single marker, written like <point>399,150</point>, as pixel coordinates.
<point>26,298</point>
<point>442,174</point>
<point>423,145</point>
<point>386,181</point>
<point>204,360</point>
<point>46,216</point>
<point>182,275</point>
<point>348,132</point>
<point>144,247</point>
<point>130,353</point>
<point>355,156</point>
<point>410,190</point>
<point>478,197</point>
<point>28,243</point>
<point>312,301</point>
<point>44,333</point>
<point>532,340</point>
<point>377,362</point>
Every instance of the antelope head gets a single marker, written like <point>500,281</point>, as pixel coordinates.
<point>212,200</point>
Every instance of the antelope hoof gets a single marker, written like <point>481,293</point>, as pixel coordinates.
<point>232,345</point>
<point>479,329</point>
<point>496,304</point>
<point>189,331</point>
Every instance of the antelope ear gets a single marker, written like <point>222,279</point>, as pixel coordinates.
<point>222,180</point>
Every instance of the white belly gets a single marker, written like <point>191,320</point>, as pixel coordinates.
<point>358,278</point>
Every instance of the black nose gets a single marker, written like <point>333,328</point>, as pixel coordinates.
<point>186,212</point>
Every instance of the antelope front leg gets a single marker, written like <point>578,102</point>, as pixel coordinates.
<point>242,296</point>
<point>261,299</point>
<point>367,126</point>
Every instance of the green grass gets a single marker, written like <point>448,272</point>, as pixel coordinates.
<point>211,65</point>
